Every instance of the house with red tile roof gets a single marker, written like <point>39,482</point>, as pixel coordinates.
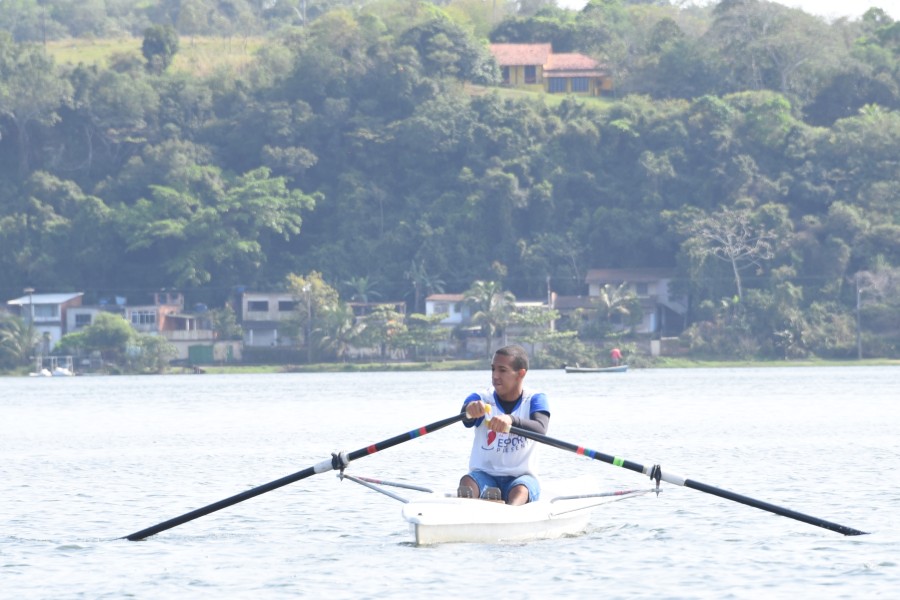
<point>536,66</point>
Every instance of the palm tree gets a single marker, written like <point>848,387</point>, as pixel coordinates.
<point>362,289</point>
<point>17,341</point>
<point>614,305</point>
<point>338,330</point>
<point>423,283</point>
<point>493,307</point>
<point>382,327</point>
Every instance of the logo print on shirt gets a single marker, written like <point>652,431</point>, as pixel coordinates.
<point>492,435</point>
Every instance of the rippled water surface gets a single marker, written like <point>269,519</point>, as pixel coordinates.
<point>87,460</point>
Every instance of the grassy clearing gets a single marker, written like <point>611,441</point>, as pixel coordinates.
<point>197,55</point>
<point>551,100</point>
<point>201,56</point>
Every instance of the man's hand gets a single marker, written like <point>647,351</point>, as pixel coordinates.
<point>476,409</point>
<point>500,423</point>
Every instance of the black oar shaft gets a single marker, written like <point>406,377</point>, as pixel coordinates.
<point>327,465</point>
<point>674,479</point>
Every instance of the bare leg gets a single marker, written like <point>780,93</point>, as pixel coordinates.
<point>518,495</point>
<point>468,484</point>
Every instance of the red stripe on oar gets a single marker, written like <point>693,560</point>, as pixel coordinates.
<point>372,449</point>
<point>580,450</point>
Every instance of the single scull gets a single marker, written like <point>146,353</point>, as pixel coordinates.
<point>565,509</point>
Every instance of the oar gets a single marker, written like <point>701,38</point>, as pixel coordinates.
<point>655,472</point>
<point>337,461</point>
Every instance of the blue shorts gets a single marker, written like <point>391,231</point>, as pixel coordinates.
<point>506,483</point>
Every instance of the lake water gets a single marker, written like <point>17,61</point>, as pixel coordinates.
<point>87,460</point>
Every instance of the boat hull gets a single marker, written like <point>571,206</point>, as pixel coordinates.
<point>618,369</point>
<point>440,519</point>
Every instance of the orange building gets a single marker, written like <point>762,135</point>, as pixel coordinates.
<point>535,66</point>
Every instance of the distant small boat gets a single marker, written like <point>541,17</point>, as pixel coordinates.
<point>59,366</point>
<point>618,369</point>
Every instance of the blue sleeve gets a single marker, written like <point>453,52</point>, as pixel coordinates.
<point>471,422</point>
<point>539,403</point>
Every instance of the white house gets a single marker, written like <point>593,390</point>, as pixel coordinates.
<point>453,305</point>
<point>48,313</point>
<point>264,317</point>
<point>664,309</point>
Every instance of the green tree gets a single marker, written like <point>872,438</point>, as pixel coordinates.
<point>337,330</point>
<point>423,283</point>
<point>110,335</point>
<point>493,308</point>
<point>616,307</point>
<point>536,324</point>
<point>362,289</point>
<point>422,334</point>
<point>384,327</point>
<point>17,341</point>
<point>315,300</point>
<point>218,231</point>
<point>225,324</point>
<point>116,111</point>
<point>447,50</point>
<point>159,47</point>
<point>764,45</point>
<point>150,353</point>
<point>31,93</point>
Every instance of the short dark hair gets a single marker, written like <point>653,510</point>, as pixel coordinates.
<point>517,354</point>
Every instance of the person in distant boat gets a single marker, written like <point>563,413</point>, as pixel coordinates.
<point>502,464</point>
<point>616,356</point>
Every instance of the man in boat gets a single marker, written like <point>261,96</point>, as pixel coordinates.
<point>501,460</point>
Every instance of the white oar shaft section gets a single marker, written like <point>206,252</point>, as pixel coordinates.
<point>668,477</point>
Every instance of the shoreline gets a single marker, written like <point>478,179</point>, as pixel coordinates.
<point>482,364</point>
<point>475,365</point>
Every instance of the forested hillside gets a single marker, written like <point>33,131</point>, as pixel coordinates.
<point>369,142</point>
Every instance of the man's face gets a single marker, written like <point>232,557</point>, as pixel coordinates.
<point>505,379</point>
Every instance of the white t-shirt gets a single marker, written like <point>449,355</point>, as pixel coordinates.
<point>505,454</point>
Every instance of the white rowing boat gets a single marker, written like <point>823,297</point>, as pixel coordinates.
<point>565,509</point>
<point>441,519</point>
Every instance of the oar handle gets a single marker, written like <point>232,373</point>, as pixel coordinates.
<point>656,471</point>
